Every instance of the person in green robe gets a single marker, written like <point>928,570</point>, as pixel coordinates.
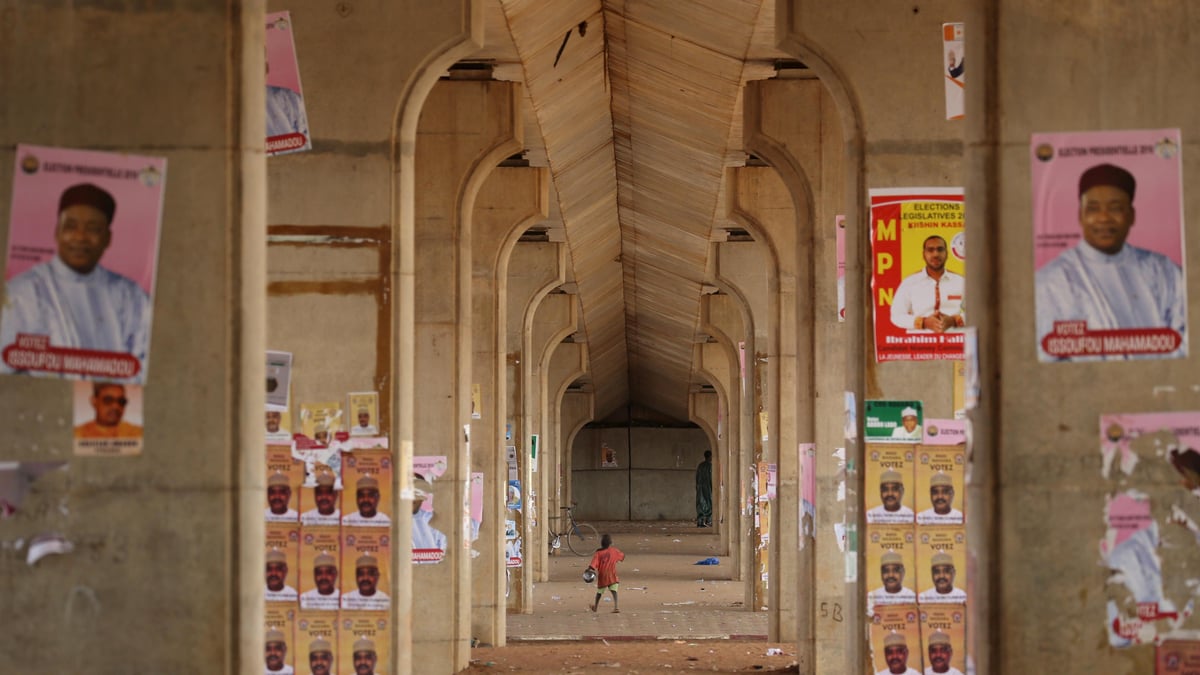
<point>704,491</point>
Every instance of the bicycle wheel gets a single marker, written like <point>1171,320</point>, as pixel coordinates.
<point>583,539</point>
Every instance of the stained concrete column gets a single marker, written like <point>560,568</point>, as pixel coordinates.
<point>567,363</point>
<point>192,501</point>
<point>466,128</point>
<point>511,199</point>
<point>1038,487</point>
<point>535,268</point>
<point>576,409</point>
<point>725,318</point>
<point>555,317</point>
<point>792,124</point>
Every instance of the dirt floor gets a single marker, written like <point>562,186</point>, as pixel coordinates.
<point>649,656</point>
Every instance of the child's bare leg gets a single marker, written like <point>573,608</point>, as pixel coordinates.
<point>616,610</point>
<point>597,602</point>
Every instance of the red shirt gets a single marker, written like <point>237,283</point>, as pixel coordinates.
<point>605,563</point>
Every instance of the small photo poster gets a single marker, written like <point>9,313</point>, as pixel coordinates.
<point>608,456</point>
<point>321,421</point>
<point>893,421</point>
<point>944,431</point>
<point>941,564</point>
<point>941,486</point>
<point>364,643</point>
<point>287,118</point>
<point>952,52</point>
<point>320,557</point>
<point>363,407</point>
<point>284,476</point>
<point>81,218</point>
<point>283,562</point>
<point>890,562</point>
<point>367,560</point>
<point>279,425</point>
<point>888,497</point>
<point>108,419</point>
<point>317,641</point>
<point>919,254</point>
<point>279,380</point>
<point>367,497</point>
<point>944,639</point>
<point>1108,245</point>
<point>895,634</point>
<point>428,541</point>
<point>1177,657</point>
<point>320,503</point>
<point>279,638</point>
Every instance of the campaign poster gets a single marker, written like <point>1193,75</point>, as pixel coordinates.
<point>287,118</point>
<point>279,639</point>
<point>840,226</point>
<point>512,544</point>
<point>367,561</point>
<point>279,381</point>
<point>952,52</point>
<point>363,408</point>
<point>283,562</point>
<point>940,485</point>
<point>279,426</point>
<point>476,507</point>
<point>918,254</point>
<point>367,497</point>
<point>891,561</point>
<point>284,476</point>
<point>941,564</point>
<point>945,431</point>
<point>317,642</point>
<point>608,456</point>
<point>893,421</point>
<point>321,421</point>
<point>428,542</point>
<point>320,501</point>
<point>895,634</point>
<point>476,401</point>
<point>1108,245</point>
<point>82,256</point>
<point>1177,657</point>
<point>320,563</point>
<point>887,487</point>
<point>364,643</point>
<point>107,419</point>
<point>944,639</point>
<point>1119,431</point>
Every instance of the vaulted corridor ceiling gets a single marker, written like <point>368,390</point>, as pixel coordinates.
<point>635,107</point>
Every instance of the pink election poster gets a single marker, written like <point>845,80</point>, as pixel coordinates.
<point>287,118</point>
<point>82,254</point>
<point>1108,245</point>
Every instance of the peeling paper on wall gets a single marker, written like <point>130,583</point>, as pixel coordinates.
<point>16,479</point>
<point>49,543</point>
<point>1119,432</point>
<point>840,455</point>
<point>1138,611</point>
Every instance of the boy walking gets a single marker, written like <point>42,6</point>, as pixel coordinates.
<point>604,562</point>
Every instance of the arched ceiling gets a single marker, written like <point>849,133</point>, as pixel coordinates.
<point>635,106</point>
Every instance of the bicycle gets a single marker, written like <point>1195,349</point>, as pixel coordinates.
<point>582,538</point>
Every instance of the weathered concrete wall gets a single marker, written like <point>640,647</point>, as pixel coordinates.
<point>1038,460</point>
<point>655,476</point>
<point>157,536</point>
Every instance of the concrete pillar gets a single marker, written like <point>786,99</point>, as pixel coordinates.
<point>1037,491</point>
<point>725,317</point>
<point>713,361</point>
<point>792,124</point>
<point>200,473</point>
<point>888,99</point>
<point>576,409</point>
<point>567,363</point>
<point>466,128</point>
<point>511,199</point>
<point>535,268</point>
<point>555,317</point>
<point>740,266</point>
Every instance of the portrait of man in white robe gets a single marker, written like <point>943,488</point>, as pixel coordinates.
<point>1105,281</point>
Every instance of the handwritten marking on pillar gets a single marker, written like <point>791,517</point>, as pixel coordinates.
<point>834,613</point>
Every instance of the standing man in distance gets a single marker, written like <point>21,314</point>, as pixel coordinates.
<point>932,299</point>
<point>704,491</point>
